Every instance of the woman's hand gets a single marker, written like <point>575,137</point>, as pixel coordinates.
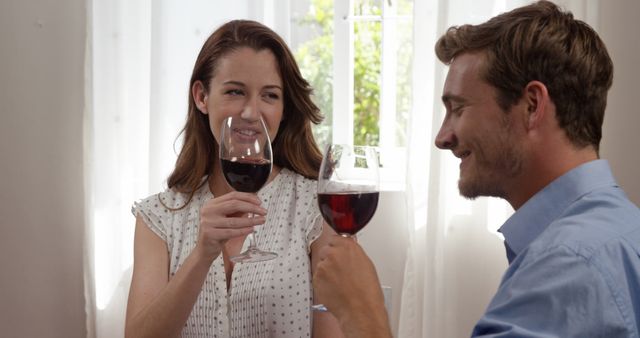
<point>223,218</point>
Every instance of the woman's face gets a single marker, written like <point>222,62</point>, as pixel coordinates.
<point>247,84</point>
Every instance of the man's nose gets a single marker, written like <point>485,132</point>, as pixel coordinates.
<point>446,138</point>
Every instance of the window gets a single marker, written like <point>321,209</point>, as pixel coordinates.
<point>357,55</point>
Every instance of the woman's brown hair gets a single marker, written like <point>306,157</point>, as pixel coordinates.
<point>540,42</point>
<point>294,147</point>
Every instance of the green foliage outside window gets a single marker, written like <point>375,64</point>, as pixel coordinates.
<point>315,58</point>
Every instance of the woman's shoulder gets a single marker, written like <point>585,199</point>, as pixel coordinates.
<point>290,183</point>
<point>302,183</point>
<point>173,199</point>
<point>170,200</point>
<point>296,189</point>
<point>161,210</point>
<point>303,198</point>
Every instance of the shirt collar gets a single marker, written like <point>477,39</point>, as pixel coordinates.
<point>546,205</point>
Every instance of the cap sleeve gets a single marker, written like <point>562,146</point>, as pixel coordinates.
<point>156,215</point>
<point>308,201</point>
<point>314,230</point>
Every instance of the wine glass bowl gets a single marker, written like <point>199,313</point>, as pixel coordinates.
<point>246,175</point>
<point>348,187</point>
<point>246,162</point>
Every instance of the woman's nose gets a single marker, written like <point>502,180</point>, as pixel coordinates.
<point>251,110</point>
<point>446,138</point>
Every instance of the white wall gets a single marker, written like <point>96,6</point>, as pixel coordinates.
<point>41,176</point>
<point>41,104</point>
<point>619,28</point>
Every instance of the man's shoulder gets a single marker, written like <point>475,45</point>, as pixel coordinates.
<point>593,225</point>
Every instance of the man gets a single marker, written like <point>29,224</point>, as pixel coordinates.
<point>525,98</point>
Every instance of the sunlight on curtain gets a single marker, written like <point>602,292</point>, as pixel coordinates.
<point>455,258</point>
<point>120,49</point>
<point>142,53</point>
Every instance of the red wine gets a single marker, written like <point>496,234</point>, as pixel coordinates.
<point>348,212</point>
<point>246,176</point>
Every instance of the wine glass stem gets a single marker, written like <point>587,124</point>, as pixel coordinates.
<point>252,237</point>
<point>252,241</point>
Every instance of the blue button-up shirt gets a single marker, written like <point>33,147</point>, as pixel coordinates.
<point>575,262</point>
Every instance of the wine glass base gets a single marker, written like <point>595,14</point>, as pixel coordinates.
<point>253,256</point>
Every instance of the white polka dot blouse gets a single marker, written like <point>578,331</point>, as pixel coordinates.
<point>266,299</point>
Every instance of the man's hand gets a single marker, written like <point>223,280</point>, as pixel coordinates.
<point>346,282</point>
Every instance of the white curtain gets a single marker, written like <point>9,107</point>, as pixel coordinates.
<point>117,137</point>
<point>141,54</point>
<point>455,258</point>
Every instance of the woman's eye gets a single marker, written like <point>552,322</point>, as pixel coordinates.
<point>272,96</point>
<point>234,92</point>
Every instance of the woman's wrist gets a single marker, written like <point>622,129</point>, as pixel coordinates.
<point>204,257</point>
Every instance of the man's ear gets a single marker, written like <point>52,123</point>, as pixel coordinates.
<point>199,94</point>
<point>536,100</point>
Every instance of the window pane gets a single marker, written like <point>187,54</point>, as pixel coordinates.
<point>366,7</point>
<point>312,43</point>
<point>404,7</point>
<point>366,74</point>
<point>312,40</point>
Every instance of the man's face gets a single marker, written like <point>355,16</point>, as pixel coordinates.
<point>478,131</point>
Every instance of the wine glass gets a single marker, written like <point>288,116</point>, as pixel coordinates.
<point>348,189</point>
<point>246,160</point>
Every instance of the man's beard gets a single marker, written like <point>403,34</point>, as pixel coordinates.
<point>492,170</point>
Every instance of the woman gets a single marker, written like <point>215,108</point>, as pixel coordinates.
<point>183,281</point>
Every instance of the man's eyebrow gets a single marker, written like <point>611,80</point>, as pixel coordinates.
<point>446,98</point>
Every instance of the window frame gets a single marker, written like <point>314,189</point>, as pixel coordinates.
<point>392,156</point>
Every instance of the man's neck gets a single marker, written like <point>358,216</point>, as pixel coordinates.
<point>543,168</point>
